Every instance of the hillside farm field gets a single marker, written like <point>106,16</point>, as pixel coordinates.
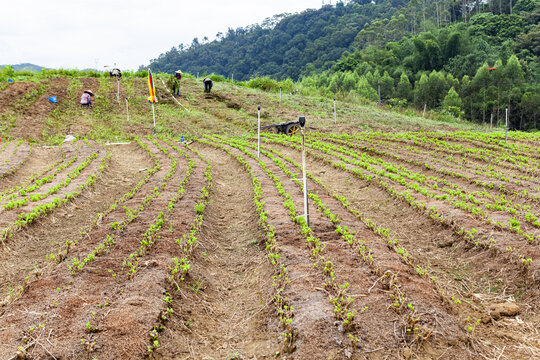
<point>129,245</point>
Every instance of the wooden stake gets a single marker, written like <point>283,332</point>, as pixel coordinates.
<point>127,109</point>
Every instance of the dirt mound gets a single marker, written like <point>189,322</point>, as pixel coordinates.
<point>30,124</point>
<point>14,93</point>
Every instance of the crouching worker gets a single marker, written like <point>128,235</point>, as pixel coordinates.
<point>86,99</point>
<point>207,85</point>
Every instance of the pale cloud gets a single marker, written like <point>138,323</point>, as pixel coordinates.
<point>79,34</point>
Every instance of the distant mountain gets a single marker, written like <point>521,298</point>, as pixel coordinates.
<point>25,66</point>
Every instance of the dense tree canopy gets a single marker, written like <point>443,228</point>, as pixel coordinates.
<point>472,57</point>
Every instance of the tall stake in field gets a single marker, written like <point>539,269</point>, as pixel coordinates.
<point>506,128</point>
<point>335,119</point>
<point>259,132</point>
<point>302,121</point>
<point>152,97</point>
<point>118,90</point>
<point>127,109</point>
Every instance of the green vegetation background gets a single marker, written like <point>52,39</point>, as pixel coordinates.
<point>432,54</point>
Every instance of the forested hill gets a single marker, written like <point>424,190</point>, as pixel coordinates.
<point>469,58</point>
<point>282,46</point>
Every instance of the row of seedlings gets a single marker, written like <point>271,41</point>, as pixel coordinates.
<point>469,235</point>
<point>36,179</point>
<point>339,296</point>
<point>98,219</point>
<point>493,142</point>
<point>478,203</point>
<point>42,211</point>
<point>28,194</point>
<point>280,279</point>
<point>180,265</point>
<point>502,180</point>
<point>151,235</point>
<point>26,218</point>
<point>414,181</point>
<point>392,243</point>
<point>16,166</point>
<point>518,163</point>
<point>77,264</point>
<point>466,173</point>
<point>400,304</point>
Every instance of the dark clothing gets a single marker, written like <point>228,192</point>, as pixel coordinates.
<point>207,85</point>
<point>116,73</point>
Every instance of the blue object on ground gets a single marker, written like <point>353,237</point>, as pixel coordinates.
<point>53,99</point>
<point>10,80</point>
<point>182,139</point>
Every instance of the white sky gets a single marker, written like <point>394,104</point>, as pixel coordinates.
<point>76,34</point>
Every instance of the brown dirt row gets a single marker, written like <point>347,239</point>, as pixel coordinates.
<point>14,93</point>
<point>12,155</point>
<point>224,308</point>
<point>36,166</point>
<point>521,150</point>
<point>503,238</point>
<point>417,164</point>
<point>467,166</point>
<point>9,216</point>
<point>522,168</point>
<point>318,334</point>
<point>418,291</point>
<point>30,124</point>
<point>461,271</point>
<point>78,298</point>
<point>26,251</point>
<point>72,150</point>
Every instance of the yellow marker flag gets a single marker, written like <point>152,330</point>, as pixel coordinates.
<point>152,98</point>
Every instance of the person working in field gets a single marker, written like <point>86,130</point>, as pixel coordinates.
<point>174,83</point>
<point>86,99</point>
<point>115,73</point>
<point>207,85</point>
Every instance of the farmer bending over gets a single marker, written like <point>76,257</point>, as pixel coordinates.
<point>86,98</point>
<point>174,83</point>
<point>207,85</point>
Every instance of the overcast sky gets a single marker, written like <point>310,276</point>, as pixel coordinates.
<point>80,34</point>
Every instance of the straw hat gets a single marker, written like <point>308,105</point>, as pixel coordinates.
<point>89,92</point>
<point>178,71</point>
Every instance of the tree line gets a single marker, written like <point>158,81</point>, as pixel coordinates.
<point>471,58</point>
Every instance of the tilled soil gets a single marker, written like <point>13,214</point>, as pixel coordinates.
<point>14,93</point>
<point>422,276</point>
<point>30,124</point>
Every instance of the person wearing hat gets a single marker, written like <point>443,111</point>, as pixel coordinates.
<point>86,98</point>
<point>115,73</point>
<point>207,85</point>
<point>174,83</point>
